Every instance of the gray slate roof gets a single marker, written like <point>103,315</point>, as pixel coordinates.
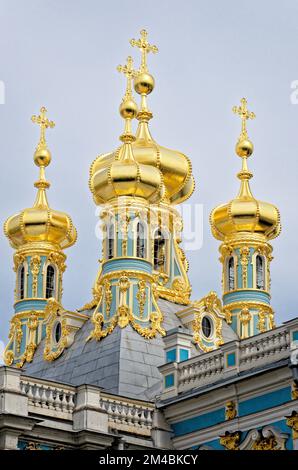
<point>122,363</point>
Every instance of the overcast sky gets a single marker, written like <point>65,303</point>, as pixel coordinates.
<point>63,54</point>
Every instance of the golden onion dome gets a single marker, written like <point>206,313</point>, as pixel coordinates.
<point>245,213</point>
<point>174,166</point>
<point>118,173</point>
<point>40,223</point>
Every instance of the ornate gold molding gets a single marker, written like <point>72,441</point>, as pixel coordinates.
<point>230,441</point>
<point>230,410</point>
<point>35,262</point>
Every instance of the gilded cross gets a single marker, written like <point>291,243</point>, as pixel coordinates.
<point>244,114</point>
<point>145,48</point>
<point>129,72</point>
<point>43,122</point>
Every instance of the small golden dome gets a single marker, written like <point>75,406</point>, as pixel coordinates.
<point>40,223</point>
<point>245,214</point>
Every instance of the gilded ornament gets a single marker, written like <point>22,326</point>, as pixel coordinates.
<point>141,297</point>
<point>265,443</point>
<point>35,267</point>
<point>230,441</point>
<point>294,391</point>
<point>123,316</point>
<point>244,252</point>
<point>108,296</point>
<point>262,321</point>
<point>292,422</point>
<point>230,410</point>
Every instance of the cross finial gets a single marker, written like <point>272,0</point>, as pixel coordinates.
<point>244,114</point>
<point>44,123</point>
<point>145,48</point>
<point>130,73</point>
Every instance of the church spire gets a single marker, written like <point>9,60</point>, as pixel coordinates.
<point>42,157</point>
<point>39,234</point>
<point>245,225</point>
<point>244,149</point>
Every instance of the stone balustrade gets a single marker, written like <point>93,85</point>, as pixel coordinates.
<point>49,399</point>
<point>59,401</point>
<point>128,415</point>
<point>230,359</point>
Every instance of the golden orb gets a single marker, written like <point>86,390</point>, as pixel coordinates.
<point>244,148</point>
<point>42,157</point>
<point>128,109</point>
<point>144,83</point>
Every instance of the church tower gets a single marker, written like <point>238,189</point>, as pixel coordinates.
<point>138,186</point>
<point>245,226</point>
<point>39,236</point>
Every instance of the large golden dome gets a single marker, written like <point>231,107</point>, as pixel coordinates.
<point>40,223</point>
<point>245,213</point>
<point>175,167</point>
<point>119,173</point>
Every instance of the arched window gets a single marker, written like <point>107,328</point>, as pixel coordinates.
<point>50,282</point>
<point>141,241</point>
<point>110,241</point>
<point>159,251</point>
<point>260,272</point>
<point>231,273</point>
<point>21,282</point>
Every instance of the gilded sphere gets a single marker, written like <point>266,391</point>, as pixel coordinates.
<point>128,109</point>
<point>244,148</point>
<point>144,83</point>
<point>42,157</point>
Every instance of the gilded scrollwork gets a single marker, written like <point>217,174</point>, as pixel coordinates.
<point>244,258</point>
<point>231,440</point>
<point>141,296</point>
<point>35,262</point>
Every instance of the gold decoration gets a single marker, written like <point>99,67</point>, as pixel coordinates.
<point>271,320</point>
<point>245,318</point>
<point>244,114</point>
<point>212,305</point>
<point>230,410</point>
<point>32,446</point>
<point>34,267</point>
<point>8,357</point>
<point>292,422</point>
<point>123,316</point>
<point>266,443</point>
<point>294,391</point>
<point>228,315</point>
<point>262,321</point>
<point>18,260</point>
<point>58,259</point>
<point>141,297</point>
<point>145,48</point>
<point>107,296</point>
<point>230,441</point>
<point>244,252</point>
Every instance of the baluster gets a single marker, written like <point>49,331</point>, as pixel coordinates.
<point>50,398</point>
<point>43,397</point>
<point>64,401</point>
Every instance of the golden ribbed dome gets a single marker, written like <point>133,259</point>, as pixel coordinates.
<point>154,171</point>
<point>118,173</point>
<point>245,213</point>
<point>175,166</point>
<point>40,223</point>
